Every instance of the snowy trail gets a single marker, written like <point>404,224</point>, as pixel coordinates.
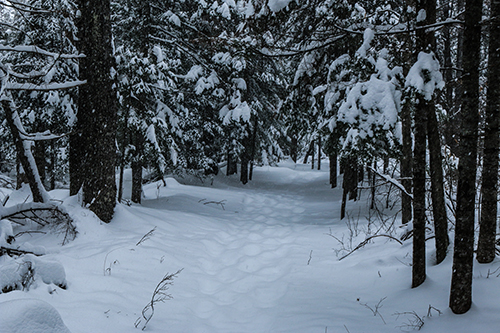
<point>255,259</point>
<point>245,267</point>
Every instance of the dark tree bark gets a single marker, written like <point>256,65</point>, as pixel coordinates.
<point>313,150</point>
<point>244,168</point>
<point>136,181</point>
<point>461,281</point>
<point>294,148</point>
<point>253,148</point>
<point>418,267</point>
<point>406,163</point>
<point>349,182</point>
<point>39,153</point>
<point>371,178</point>
<point>137,165</point>
<point>489,187</point>
<point>93,147</point>
<point>319,152</point>
<point>437,192</point>
<point>425,42</point>
<point>309,152</point>
<point>333,170</point>
<point>52,166</point>
<point>232,166</point>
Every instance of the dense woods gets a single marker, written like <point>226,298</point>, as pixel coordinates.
<point>406,90</point>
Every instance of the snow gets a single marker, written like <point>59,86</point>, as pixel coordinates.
<point>30,316</point>
<point>277,5</point>
<point>368,36</point>
<point>422,15</point>
<point>256,258</point>
<point>425,76</point>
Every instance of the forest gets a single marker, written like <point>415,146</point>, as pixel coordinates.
<point>109,108</point>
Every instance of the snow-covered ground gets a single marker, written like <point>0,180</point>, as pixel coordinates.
<point>255,258</point>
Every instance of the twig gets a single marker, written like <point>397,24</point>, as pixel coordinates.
<point>16,252</point>
<point>377,307</point>
<point>310,257</point>
<point>220,203</point>
<point>159,295</point>
<point>363,243</point>
<point>146,236</point>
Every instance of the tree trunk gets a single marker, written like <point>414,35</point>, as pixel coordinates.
<point>244,168</point>
<point>309,152</point>
<point>24,154</point>
<point>319,152</point>
<point>94,159</point>
<point>294,148</point>
<point>52,166</point>
<point>489,187</point>
<point>418,267</point>
<point>371,177</point>
<point>406,128</point>
<point>136,181</point>
<point>333,170</point>
<point>425,42</point>
<point>313,150</point>
<point>39,153</point>
<point>252,154</point>
<point>120,182</point>
<point>461,281</point>
<point>437,192</point>
<point>232,166</point>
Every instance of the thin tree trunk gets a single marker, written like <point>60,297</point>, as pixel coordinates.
<point>406,163</point>
<point>136,181</point>
<point>418,267</point>
<point>333,170</point>
<point>371,177</point>
<point>425,42</point>
<point>313,150</point>
<point>294,148</point>
<point>254,143</point>
<point>309,152</point>
<point>52,166</point>
<point>244,168</point>
<point>437,192</point>
<point>461,281</point>
<point>489,187</point>
<point>319,152</point>
<point>232,167</point>
<point>39,153</point>
<point>24,154</point>
<point>345,190</point>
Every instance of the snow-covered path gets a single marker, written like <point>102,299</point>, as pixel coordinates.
<point>255,258</point>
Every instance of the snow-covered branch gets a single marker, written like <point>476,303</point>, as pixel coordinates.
<point>40,51</point>
<point>43,87</point>
<point>391,180</point>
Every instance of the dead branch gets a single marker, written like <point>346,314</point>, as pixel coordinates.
<point>363,243</point>
<point>15,252</point>
<point>146,236</point>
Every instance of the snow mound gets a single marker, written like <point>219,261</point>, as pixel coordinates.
<point>30,316</point>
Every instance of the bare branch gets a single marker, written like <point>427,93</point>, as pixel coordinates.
<point>363,243</point>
